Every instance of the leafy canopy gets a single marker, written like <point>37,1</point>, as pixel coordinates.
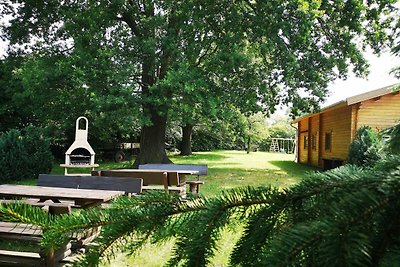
<point>251,54</point>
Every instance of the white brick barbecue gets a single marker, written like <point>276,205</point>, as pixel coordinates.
<point>80,154</point>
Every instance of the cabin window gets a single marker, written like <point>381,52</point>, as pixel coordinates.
<point>328,141</point>
<point>314,141</point>
<point>305,142</point>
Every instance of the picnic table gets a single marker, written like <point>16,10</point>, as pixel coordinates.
<point>171,180</point>
<point>191,169</point>
<point>83,198</point>
<point>52,197</point>
<point>182,172</point>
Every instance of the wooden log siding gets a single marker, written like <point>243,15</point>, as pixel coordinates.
<point>303,132</point>
<point>338,122</point>
<point>378,109</point>
<point>314,133</point>
<point>380,113</point>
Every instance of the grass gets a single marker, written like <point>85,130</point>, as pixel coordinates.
<point>227,169</point>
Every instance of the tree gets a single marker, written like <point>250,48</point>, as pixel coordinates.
<point>257,130</point>
<point>392,136</point>
<point>12,110</point>
<point>254,54</point>
<point>51,91</point>
<point>226,130</point>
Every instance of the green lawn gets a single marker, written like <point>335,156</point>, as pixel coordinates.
<point>227,169</point>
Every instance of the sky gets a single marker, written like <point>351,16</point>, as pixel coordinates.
<point>379,77</point>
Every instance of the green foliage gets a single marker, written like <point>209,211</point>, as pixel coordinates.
<point>24,155</point>
<point>13,112</point>
<point>215,136</point>
<point>279,128</point>
<point>392,139</point>
<point>256,131</point>
<point>222,133</point>
<point>365,148</point>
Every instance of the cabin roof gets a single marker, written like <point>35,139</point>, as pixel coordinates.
<point>354,100</point>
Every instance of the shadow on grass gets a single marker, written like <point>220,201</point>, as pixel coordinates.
<point>201,157</point>
<point>293,167</point>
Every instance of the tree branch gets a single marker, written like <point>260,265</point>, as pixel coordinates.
<point>131,22</point>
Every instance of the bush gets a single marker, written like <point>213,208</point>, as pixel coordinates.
<point>364,150</point>
<point>23,155</point>
<point>392,136</point>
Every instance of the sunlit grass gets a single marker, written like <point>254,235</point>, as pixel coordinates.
<point>227,169</point>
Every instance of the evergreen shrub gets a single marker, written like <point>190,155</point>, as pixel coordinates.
<point>392,138</point>
<point>365,148</point>
<point>23,155</point>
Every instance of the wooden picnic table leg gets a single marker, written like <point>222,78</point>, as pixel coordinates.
<point>165,182</point>
<point>50,259</point>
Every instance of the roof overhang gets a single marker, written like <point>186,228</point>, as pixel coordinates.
<point>394,88</point>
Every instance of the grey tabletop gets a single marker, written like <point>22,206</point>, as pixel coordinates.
<point>44,192</point>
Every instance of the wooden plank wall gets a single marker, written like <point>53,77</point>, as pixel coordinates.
<point>303,131</point>
<point>309,127</point>
<point>380,113</point>
<point>337,121</point>
<point>314,131</point>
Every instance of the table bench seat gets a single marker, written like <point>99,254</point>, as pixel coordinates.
<point>17,258</point>
<point>177,189</point>
<point>198,170</point>
<point>51,198</point>
<point>27,233</point>
<point>170,181</point>
<point>194,186</point>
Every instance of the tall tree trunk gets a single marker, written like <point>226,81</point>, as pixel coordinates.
<point>186,148</point>
<point>248,144</point>
<point>249,137</point>
<point>152,142</point>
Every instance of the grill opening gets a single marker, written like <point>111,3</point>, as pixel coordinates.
<point>80,156</point>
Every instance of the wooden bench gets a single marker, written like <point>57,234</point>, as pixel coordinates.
<point>170,181</point>
<point>31,234</point>
<point>128,185</point>
<point>194,186</point>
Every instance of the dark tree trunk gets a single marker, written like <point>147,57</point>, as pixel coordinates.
<point>249,145</point>
<point>152,142</point>
<point>186,148</point>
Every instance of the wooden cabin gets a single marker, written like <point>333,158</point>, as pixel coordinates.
<point>324,137</point>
